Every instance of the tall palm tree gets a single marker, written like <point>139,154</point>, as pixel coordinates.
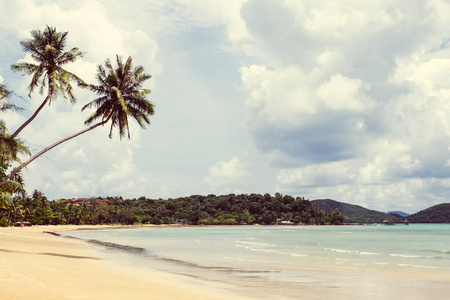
<point>120,96</point>
<point>47,49</point>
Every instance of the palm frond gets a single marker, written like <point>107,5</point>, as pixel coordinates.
<point>47,49</point>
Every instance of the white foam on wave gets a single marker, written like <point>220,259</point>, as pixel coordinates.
<point>422,267</point>
<point>340,250</point>
<point>298,255</point>
<point>409,256</point>
<point>256,244</point>
<point>369,253</point>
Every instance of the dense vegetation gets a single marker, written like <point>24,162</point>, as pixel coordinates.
<point>436,214</point>
<point>355,213</point>
<point>208,210</point>
<point>202,210</point>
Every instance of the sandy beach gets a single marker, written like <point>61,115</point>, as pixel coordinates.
<point>36,265</point>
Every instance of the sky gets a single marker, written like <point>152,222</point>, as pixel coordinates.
<point>346,100</point>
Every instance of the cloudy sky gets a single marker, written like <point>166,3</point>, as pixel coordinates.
<point>348,100</point>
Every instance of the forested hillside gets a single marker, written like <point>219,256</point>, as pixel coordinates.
<point>436,214</point>
<point>355,213</point>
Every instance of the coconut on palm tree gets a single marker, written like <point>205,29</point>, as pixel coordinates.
<point>121,96</point>
<point>47,50</point>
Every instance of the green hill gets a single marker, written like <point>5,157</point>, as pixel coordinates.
<point>436,214</point>
<point>355,213</point>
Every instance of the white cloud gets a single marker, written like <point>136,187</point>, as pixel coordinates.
<point>223,12</point>
<point>278,96</point>
<point>335,173</point>
<point>226,175</point>
<point>343,93</point>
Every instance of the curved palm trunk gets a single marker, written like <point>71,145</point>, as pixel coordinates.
<point>16,170</point>
<point>47,99</point>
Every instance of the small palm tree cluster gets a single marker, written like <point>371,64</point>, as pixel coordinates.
<point>119,90</point>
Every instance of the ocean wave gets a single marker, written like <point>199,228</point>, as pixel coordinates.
<point>422,267</point>
<point>410,255</point>
<point>369,253</point>
<point>298,255</point>
<point>351,251</point>
<point>341,250</point>
<point>257,244</point>
<point>271,251</point>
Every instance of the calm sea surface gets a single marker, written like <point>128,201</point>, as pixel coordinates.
<point>283,261</point>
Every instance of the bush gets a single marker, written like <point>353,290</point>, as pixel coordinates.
<point>4,222</point>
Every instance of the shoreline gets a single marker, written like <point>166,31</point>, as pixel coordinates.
<point>37,265</point>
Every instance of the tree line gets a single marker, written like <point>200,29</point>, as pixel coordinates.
<point>229,209</point>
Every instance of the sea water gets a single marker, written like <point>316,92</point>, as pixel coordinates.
<point>286,261</point>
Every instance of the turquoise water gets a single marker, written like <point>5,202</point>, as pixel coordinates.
<point>287,259</point>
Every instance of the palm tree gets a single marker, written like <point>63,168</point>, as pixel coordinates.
<point>10,147</point>
<point>47,49</point>
<point>120,96</point>
<point>4,93</point>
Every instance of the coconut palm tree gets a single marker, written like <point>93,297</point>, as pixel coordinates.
<point>120,96</point>
<point>47,49</point>
<point>10,147</point>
